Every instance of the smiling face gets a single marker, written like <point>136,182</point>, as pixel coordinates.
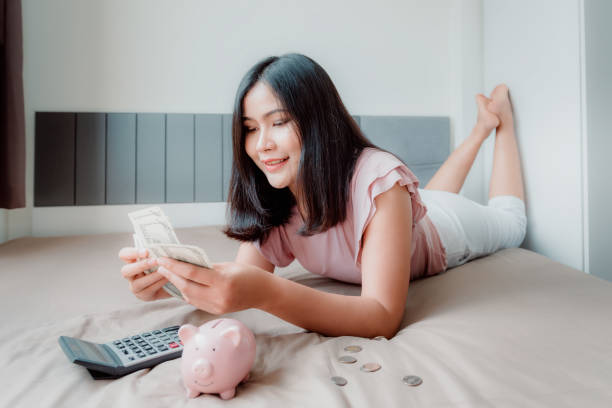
<point>272,140</point>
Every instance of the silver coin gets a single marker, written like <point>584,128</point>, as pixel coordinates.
<point>370,367</point>
<point>353,349</point>
<point>347,359</point>
<point>340,381</point>
<point>412,380</point>
<point>379,338</point>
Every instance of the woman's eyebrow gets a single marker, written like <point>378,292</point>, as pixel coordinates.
<point>267,114</point>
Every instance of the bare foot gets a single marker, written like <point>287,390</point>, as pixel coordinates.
<point>500,103</point>
<point>487,119</point>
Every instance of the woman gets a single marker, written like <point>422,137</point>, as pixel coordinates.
<point>307,184</point>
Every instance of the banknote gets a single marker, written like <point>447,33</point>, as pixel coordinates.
<point>153,231</point>
<point>152,226</point>
<point>185,253</point>
<point>168,287</point>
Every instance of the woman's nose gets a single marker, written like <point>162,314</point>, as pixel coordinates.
<point>264,141</point>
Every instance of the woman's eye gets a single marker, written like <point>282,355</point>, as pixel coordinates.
<point>280,122</point>
<point>251,130</point>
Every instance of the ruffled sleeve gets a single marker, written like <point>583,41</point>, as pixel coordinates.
<point>276,248</point>
<point>375,173</point>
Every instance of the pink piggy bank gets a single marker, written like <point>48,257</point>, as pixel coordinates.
<point>217,356</point>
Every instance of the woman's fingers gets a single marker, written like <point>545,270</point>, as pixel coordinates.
<point>197,274</point>
<point>130,270</point>
<point>153,291</point>
<point>178,281</point>
<point>191,290</point>
<point>140,284</point>
<point>131,254</point>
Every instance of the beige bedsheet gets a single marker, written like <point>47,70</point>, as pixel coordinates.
<point>514,329</point>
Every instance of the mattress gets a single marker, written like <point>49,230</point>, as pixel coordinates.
<point>513,329</point>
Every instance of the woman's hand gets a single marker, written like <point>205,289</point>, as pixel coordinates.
<point>143,286</point>
<point>227,287</point>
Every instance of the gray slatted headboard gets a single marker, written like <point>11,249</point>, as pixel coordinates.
<point>146,158</point>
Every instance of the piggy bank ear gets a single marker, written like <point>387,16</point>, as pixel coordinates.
<point>232,334</point>
<point>186,332</point>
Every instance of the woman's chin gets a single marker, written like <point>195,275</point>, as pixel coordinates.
<point>278,184</point>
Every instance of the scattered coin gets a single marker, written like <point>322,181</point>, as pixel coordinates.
<point>370,367</point>
<point>353,349</point>
<point>379,338</point>
<point>412,380</point>
<point>340,381</point>
<point>347,359</point>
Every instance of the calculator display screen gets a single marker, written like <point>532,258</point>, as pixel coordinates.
<point>89,351</point>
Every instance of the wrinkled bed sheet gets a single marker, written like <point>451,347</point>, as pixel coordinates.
<point>514,329</point>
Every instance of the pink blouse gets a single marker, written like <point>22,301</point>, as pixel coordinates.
<point>336,253</point>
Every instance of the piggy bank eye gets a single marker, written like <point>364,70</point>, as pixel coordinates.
<point>197,349</point>
<point>213,349</point>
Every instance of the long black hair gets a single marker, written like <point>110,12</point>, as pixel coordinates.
<point>331,143</point>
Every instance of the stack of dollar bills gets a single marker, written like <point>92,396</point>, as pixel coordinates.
<point>153,231</point>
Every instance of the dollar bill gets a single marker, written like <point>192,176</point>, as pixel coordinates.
<point>154,232</point>
<point>185,253</point>
<point>152,226</point>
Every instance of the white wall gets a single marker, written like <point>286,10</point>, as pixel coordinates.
<point>534,47</point>
<point>392,58</point>
<point>466,72</point>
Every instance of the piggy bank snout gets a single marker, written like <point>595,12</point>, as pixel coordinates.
<point>202,368</point>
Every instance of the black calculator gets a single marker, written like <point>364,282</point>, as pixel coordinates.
<point>123,356</point>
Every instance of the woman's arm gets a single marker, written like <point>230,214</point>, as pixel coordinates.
<point>385,265</point>
<point>248,254</point>
<point>385,262</point>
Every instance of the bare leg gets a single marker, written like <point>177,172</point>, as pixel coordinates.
<point>506,176</point>
<point>451,175</point>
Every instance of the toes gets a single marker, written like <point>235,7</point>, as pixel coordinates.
<point>481,100</point>
<point>500,90</point>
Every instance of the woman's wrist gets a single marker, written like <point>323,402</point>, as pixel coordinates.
<point>266,289</point>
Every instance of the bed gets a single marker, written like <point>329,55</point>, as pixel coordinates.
<point>513,329</point>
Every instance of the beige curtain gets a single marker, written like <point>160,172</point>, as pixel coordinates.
<point>12,123</point>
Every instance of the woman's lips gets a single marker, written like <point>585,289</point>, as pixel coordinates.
<point>273,165</point>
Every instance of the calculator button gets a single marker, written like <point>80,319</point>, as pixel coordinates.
<point>141,355</point>
<point>120,346</point>
<point>147,335</point>
<point>162,348</point>
<point>173,345</point>
<point>117,342</point>
<point>151,351</point>
<point>171,328</point>
<point>125,352</point>
<point>156,332</point>
<point>131,358</point>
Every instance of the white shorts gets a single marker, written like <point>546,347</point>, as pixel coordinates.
<point>470,230</point>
